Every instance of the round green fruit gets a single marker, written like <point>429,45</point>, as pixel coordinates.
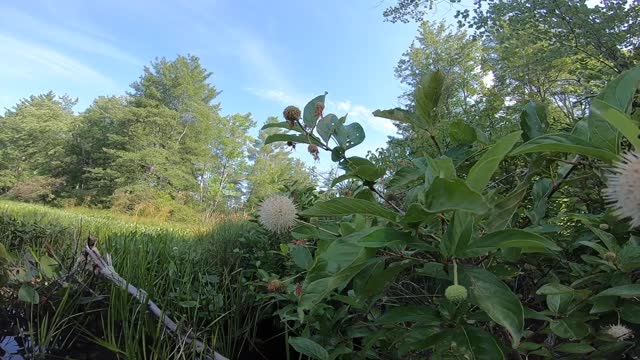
<point>456,293</point>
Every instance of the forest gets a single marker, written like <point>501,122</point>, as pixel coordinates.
<point>501,222</point>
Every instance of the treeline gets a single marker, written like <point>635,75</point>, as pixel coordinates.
<point>161,150</point>
<point>504,54</point>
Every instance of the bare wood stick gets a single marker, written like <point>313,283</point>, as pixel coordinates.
<point>105,268</point>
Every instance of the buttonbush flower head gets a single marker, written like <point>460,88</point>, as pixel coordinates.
<point>619,332</point>
<point>291,114</point>
<point>313,150</point>
<point>277,213</point>
<point>623,188</point>
<point>274,286</point>
<point>456,293</point>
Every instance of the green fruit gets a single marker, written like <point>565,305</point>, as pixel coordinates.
<point>456,293</point>
<point>610,256</point>
<point>603,227</point>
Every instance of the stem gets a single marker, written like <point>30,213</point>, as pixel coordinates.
<point>455,272</point>
<point>377,192</point>
<point>317,227</point>
<point>435,142</point>
<point>557,185</point>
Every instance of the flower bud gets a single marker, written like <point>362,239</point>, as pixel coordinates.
<point>456,293</point>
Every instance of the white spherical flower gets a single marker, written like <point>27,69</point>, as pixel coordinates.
<point>277,213</point>
<point>623,188</point>
<point>619,332</point>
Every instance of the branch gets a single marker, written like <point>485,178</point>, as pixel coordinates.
<point>105,268</point>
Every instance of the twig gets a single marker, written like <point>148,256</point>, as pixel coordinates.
<point>105,268</point>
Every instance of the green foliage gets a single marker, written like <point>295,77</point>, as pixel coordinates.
<point>461,222</point>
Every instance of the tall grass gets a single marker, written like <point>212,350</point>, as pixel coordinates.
<point>194,275</point>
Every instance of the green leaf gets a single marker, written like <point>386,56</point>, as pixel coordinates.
<point>379,280</point>
<point>309,116</point>
<point>350,135</point>
<point>453,194</point>
<point>342,178</point>
<point>563,143</point>
<point>301,257</point>
<point>462,133</point>
<point>369,172</point>
<point>3,252</point>
<point>558,296</point>
<point>48,266</point>
<point>483,345</point>
<point>309,348</point>
<point>510,238</point>
<point>422,314</point>
<point>28,295</point>
<point>619,120</point>
<point>496,299</point>
<point>327,126</point>
<point>318,290</point>
<point>573,329</point>
<point>434,270</point>
<point>396,114</point>
<point>377,237</point>
<point>501,213</point>
<point>574,348</point>
<point>533,121</point>
<point>619,92</point>
<point>296,139</point>
<point>458,235</point>
<point>348,206</point>
<point>405,177</point>
<point>427,98</point>
<point>541,188</point>
<point>481,172</point>
<point>623,291</point>
<point>629,257</point>
<point>630,312</point>
<point>283,125</point>
<point>188,304</point>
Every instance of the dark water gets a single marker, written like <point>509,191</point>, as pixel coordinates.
<point>14,348</point>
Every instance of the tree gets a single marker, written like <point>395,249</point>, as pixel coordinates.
<point>272,167</point>
<point>228,165</point>
<point>33,136</point>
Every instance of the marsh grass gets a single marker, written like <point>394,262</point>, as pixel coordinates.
<point>196,276</point>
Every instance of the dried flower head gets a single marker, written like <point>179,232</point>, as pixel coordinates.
<point>622,188</point>
<point>277,213</point>
<point>313,150</point>
<point>619,332</point>
<point>298,290</point>
<point>291,113</point>
<point>274,285</point>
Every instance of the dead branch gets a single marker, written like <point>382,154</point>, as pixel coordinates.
<point>104,266</point>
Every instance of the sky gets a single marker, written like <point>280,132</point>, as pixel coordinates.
<point>264,55</point>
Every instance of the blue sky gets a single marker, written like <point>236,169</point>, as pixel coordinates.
<point>264,55</point>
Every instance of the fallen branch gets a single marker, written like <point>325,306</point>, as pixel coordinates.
<point>104,266</point>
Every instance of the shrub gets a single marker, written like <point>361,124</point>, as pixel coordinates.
<point>495,250</point>
<point>38,189</point>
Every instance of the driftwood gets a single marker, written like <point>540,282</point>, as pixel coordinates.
<point>104,266</point>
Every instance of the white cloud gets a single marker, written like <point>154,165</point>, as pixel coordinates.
<point>15,20</point>
<point>250,48</point>
<point>365,115</point>
<point>279,96</point>
<point>25,59</point>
